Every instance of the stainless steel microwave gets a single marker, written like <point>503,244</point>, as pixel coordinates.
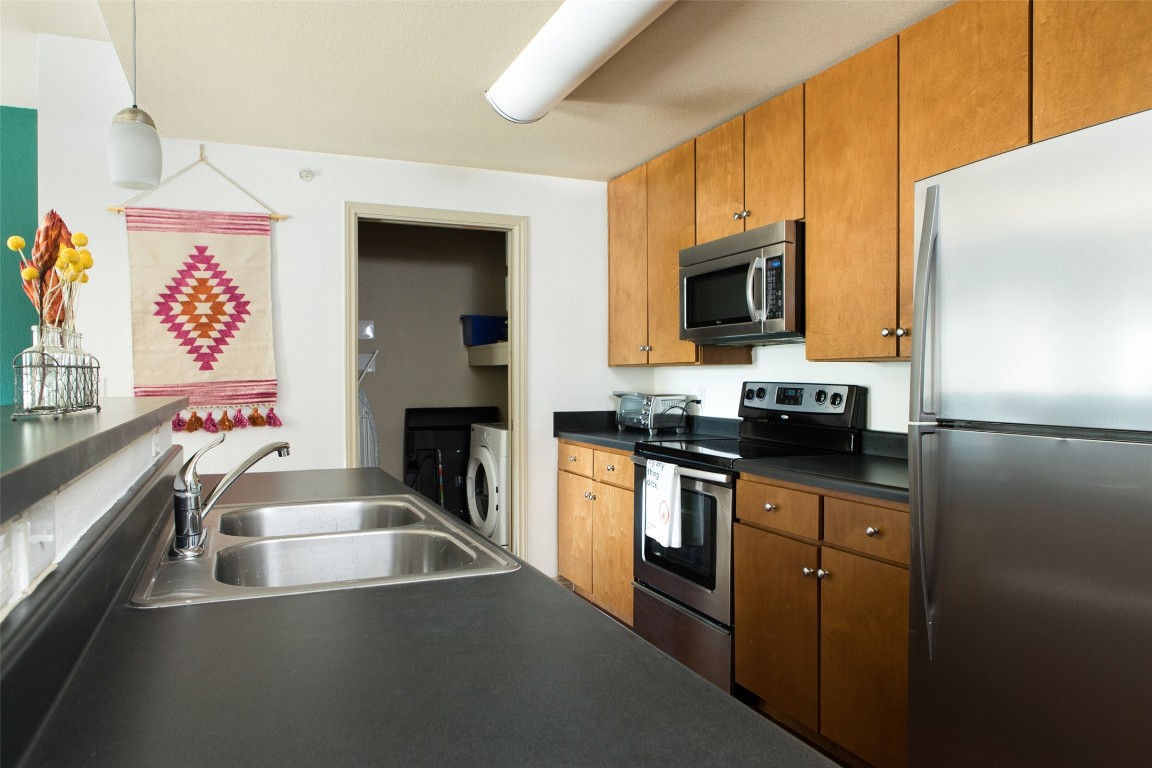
<point>746,288</point>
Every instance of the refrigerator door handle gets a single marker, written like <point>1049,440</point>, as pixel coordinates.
<point>921,512</point>
<point>922,406</point>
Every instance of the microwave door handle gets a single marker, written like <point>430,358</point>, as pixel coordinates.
<point>758,264</point>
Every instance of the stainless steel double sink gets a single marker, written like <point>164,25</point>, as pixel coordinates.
<point>253,551</point>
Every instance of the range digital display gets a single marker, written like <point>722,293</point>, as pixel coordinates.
<point>790,396</point>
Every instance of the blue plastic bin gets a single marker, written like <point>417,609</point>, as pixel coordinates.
<point>484,329</point>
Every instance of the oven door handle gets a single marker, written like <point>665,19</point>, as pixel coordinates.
<point>688,472</point>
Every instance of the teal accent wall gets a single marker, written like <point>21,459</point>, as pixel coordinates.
<point>18,190</point>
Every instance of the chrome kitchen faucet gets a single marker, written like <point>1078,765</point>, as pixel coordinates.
<point>190,511</point>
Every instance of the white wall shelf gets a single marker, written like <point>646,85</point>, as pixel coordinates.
<point>488,354</point>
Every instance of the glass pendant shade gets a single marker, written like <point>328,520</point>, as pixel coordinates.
<point>134,157</point>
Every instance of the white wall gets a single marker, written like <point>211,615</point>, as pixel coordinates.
<point>82,87</point>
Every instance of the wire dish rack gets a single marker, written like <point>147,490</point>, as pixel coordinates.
<point>52,382</point>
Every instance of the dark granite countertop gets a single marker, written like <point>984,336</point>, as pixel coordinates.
<point>881,477</point>
<point>508,670</point>
<point>36,453</point>
<point>882,474</point>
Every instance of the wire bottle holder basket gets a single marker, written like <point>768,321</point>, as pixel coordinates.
<point>55,376</point>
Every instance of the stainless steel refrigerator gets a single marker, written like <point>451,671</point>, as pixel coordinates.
<point>1031,457</point>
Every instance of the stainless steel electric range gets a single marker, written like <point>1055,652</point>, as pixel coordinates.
<point>682,596</point>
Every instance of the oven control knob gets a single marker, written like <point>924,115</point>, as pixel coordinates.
<point>760,393</point>
<point>749,393</point>
<point>836,399</point>
<point>821,396</point>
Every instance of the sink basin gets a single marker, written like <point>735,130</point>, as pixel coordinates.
<point>286,549</point>
<point>342,557</point>
<point>318,517</point>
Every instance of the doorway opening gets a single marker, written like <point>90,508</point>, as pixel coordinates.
<point>411,274</point>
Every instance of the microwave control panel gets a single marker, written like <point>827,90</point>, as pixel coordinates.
<point>774,288</point>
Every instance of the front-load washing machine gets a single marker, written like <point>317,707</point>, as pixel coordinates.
<point>489,486</point>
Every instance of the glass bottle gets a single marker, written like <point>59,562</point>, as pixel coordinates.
<point>41,371</point>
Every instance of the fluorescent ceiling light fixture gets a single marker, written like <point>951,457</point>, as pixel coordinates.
<point>134,156</point>
<point>576,41</point>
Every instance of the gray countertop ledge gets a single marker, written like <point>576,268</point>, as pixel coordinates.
<point>35,454</point>
<point>508,670</point>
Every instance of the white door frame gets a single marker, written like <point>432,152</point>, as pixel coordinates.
<point>516,239</point>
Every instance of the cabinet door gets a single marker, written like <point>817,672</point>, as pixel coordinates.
<point>574,529</point>
<point>850,128</point>
<point>774,159</point>
<point>775,622</point>
<point>671,226</point>
<point>864,656</point>
<point>1092,62</point>
<point>963,96</point>
<point>628,268</point>
<point>612,531</point>
<point>720,181</point>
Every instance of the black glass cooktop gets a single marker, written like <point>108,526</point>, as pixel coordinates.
<point>719,451</point>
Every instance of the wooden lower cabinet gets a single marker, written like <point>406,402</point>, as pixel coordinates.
<point>821,631</point>
<point>777,630</point>
<point>864,656</point>
<point>594,525</point>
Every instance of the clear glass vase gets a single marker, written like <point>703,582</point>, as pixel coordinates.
<point>43,373</point>
<point>82,371</point>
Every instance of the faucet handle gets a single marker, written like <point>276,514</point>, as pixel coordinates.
<point>187,479</point>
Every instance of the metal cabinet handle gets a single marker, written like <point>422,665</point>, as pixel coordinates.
<point>770,507</point>
<point>737,215</point>
<point>645,348</point>
<point>902,332</point>
<point>571,458</point>
<point>885,332</point>
<point>871,532</point>
<point>610,467</point>
<point>807,571</point>
<point>822,574</point>
<point>592,497</point>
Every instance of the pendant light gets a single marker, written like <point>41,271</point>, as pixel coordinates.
<point>580,36</point>
<point>134,156</point>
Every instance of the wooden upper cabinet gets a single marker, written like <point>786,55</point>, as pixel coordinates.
<point>774,160</point>
<point>671,226</point>
<point>963,97</point>
<point>1092,63</point>
<point>750,170</point>
<point>628,268</point>
<point>850,129</point>
<point>720,181</point>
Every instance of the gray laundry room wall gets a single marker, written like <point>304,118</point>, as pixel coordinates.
<point>415,282</point>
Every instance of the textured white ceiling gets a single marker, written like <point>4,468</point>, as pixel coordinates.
<point>405,79</point>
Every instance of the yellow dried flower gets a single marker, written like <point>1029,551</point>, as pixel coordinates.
<point>15,243</point>
<point>84,277</point>
<point>79,239</point>
<point>30,273</point>
<point>86,258</point>
<point>71,254</point>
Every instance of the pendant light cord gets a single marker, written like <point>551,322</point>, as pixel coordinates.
<point>134,54</point>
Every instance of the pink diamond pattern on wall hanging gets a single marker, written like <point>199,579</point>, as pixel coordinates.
<point>202,308</point>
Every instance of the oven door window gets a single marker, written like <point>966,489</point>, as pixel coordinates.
<point>717,298</point>
<point>695,559</point>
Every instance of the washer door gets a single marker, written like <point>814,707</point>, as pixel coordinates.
<point>482,491</point>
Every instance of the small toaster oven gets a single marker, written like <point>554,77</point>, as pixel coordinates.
<point>637,410</point>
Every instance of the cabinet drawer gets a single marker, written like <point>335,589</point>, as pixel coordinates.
<point>864,528</point>
<point>574,458</point>
<point>614,469</point>
<point>780,508</point>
